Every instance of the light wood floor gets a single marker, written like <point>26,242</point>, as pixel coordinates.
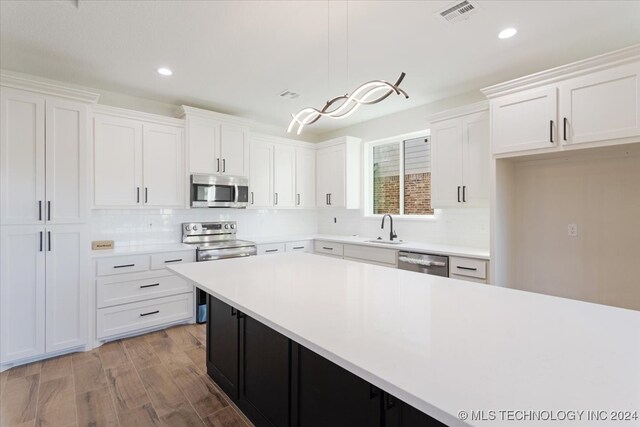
<point>154,379</point>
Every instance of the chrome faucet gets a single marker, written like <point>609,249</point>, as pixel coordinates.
<point>392,234</point>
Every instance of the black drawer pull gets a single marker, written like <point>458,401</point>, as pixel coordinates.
<point>149,286</point>
<point>466,268</point>
<point>124,265</point>
<point>329,249</point>
<point>151,312</point>
<point>298,247</point>
<point>551,131</point>
<point>271,250</point>
<point>173,260</point>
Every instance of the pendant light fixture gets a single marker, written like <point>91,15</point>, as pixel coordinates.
<point>343,106</point>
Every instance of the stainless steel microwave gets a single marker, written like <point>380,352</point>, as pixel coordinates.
<point>219,191</point>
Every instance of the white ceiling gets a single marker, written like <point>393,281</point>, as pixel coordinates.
<point>236,56</point>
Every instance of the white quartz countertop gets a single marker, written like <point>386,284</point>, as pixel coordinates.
<point>141,249</point>
<point>440,344</point>
<point>433,248</point>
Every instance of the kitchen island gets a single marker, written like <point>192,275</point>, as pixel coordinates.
<point>436,344</point>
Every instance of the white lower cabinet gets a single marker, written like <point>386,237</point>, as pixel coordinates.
<point>378,256</point>
<point>43,290</point>
<point>137,292</point>
<point>323,247</point>
<point>299,246</point>
<point>270,248</point>
<point>470,269</point>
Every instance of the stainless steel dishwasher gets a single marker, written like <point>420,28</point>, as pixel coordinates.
<point>437,265</point>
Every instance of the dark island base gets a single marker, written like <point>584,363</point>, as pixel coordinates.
<point>278,383</point>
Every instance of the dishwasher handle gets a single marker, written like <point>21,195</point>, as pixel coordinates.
<point>422,262</point>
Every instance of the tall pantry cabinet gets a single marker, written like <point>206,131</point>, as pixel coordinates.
<point>43,212</point>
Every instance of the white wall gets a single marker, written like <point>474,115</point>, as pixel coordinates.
<point>133,227</point>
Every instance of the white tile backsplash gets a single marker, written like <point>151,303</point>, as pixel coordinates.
<point>460,227</point>
<point>152,226</point>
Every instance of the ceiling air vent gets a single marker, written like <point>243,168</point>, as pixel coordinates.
<point>289,94</point>
<point>459,11</point>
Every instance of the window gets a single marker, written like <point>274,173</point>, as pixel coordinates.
<point>400,177</point>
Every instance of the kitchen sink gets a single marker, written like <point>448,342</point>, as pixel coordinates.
<point>387,242</point>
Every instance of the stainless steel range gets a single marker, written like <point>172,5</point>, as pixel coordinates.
<point>213,241</point>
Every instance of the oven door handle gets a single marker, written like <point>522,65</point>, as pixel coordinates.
<point>213,254</point>
<point>421,262</point>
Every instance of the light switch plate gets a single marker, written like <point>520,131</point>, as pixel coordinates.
<point>97,245</point>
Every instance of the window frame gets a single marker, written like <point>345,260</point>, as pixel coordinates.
<point>368,176</point>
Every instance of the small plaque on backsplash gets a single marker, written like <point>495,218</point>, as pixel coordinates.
<point>97,245</point>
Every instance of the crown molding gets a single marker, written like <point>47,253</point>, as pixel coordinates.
<point>47,88</point>
<point>339,141</point>
<point>133,114</point>
<point>263,137</point>
<point>575,69</point>
<point>459,111</point>
<point>185,111</point>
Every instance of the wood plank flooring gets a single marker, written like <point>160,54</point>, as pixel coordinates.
<point>157,379</point>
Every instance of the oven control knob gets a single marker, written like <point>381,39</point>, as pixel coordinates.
<point>195,227</point>
<point>226,226</point>
<point>233,226</point>
<point>187,227</point>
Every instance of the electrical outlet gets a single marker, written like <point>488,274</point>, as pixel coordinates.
<point>572,230</point>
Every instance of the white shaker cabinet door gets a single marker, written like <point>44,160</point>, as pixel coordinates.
<point>331,177</point>
<point>162,165</point>
<point>66,160</point>
<point>446,165</point>
<point>476,158</point>
<point>284,169</point>
<point>117,162</point>
<point>22,156</point>
<point>66,286</point>
<point>525,121</point>
<point>260,177</point>
<point>233,149</point>
<point>305,178</point>
<point>22,292</point>
<point>203,139</point>
<point>601,106</point>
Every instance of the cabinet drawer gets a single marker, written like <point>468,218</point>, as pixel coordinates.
<point>137,287</point>
<point>329,248</point>
<point>159,261</point>
<point>270,248</point>
<point>127,318</point>
<point>366,253</point>
<point>119,265</point>
<point>301,246</point>
<point>468,267</point>
<point>468,279</point>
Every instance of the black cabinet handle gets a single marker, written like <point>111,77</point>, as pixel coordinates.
<point>298,199</point>
<point>389,401</point>
<point>137,194</point>
<point>39,210</point>
<point>41,234</point>
<point>466,268</point>
<point>298,247</point>
<point>218,163</point>
<point>329,249</point>
<point>326,198</point>
<point>458,194</point>
<point>464,193</point>
<point>49,240</point>
<point>149,313</point>
<point>48,210</point>
<point>551,131</point>
<point>275,195</point>
<point>271,250</point>
<point>123,265</point>
<point>149,286</point>
<point>564,126</point>
<point>173,260</point>
<point>224,165</point>
<point>146,194</point>
<point>329,198</point>
<point>252,197</point>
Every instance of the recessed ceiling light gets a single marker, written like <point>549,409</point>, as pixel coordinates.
<point>507,32</point>
<point>165,71</point>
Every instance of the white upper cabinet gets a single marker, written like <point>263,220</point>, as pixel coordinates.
<point>460,158</point>
<point>117,153</point>
<point>338,168</point>
<point>601,106</point>
<point>66,283</point>
<point>284,170</point>
<point>162,166</point>
<point>138,162</point>
<point>590,103</point>
<point>260,176</point>
<point>525,121</point>
<point>218,144</point>
<point>22,292</point>
<point>22,153</point>
<point>66,161</point>
<point>305,178</point>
